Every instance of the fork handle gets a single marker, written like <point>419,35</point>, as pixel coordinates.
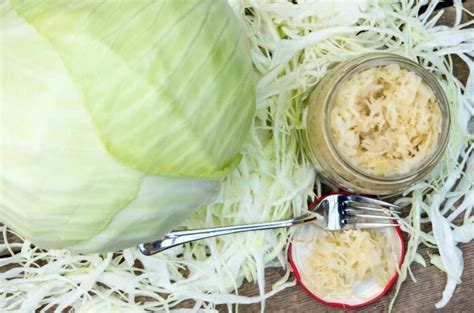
<point>177,238</point>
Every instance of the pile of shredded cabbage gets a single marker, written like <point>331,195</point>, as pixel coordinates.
<point>293,45</point>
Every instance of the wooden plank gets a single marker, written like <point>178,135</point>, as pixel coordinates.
<point>413,297</point>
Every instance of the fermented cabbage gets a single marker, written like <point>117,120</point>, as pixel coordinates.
<point>340,260</point>
<point>385,120</point>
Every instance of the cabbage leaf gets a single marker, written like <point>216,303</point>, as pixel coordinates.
<point>118,123</point>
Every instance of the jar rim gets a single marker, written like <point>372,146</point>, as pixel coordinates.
<point>360,63</point>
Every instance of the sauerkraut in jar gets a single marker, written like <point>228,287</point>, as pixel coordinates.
<point>376,124</point>
<point>385,120</point>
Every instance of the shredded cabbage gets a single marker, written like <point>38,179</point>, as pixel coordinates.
<point>339,260</point>
<point>386,120</point>
<point>293,45</point>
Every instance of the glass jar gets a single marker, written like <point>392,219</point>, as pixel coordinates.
<point>322,150</point>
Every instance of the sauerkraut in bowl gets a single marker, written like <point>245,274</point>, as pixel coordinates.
<point>347,269</point>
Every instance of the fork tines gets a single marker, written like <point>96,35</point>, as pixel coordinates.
<point>360,211</point>
<point>357,208</point>
<point>366,200</point>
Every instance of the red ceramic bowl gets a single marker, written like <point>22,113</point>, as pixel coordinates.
<point>364,293</point>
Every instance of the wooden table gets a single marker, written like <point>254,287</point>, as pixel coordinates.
<point>417,297</point>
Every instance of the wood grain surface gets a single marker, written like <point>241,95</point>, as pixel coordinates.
<point>417,297</point>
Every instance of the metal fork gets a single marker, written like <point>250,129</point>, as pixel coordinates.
<point>340,211</point>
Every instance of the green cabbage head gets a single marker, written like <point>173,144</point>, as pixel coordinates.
<point>118,118</point>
